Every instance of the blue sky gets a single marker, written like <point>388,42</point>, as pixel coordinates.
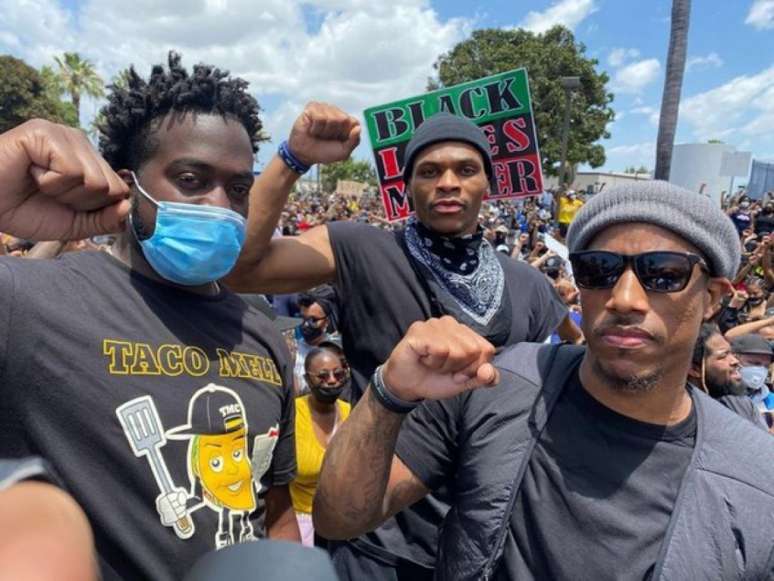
<point>359,53</point>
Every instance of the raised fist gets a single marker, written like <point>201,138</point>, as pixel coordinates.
<point>438,359</point>
<point>55,186</point>
<point>323,134</point>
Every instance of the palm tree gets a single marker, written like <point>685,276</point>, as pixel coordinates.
<point>79,78</point>
<point>673,84</point>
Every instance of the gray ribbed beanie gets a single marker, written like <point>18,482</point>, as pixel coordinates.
<point>444,126</point>
<point>693,217</point>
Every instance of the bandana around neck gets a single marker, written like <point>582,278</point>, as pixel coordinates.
<point>465,267</point>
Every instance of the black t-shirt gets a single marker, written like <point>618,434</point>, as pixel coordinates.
<point>381,297</point>
<point>597,495</point>
<point>149,402</point>
<point>742,220</point>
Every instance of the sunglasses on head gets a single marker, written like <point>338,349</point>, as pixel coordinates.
<point>660,272</point>
<point>339,374</point>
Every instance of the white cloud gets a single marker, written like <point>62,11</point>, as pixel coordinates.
<point>742,107</point>
<point>704,62</point>
<point>34,29</point>
<point>650,112</point>
<point>362,53</point>
<point>636,155</point>
<point>761,15</point>
<point>641,149</point>
<point>619,56</point>
<point>634,77</point>
<point>568,13</point>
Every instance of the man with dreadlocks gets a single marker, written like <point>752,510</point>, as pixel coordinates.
<point>162,401</point>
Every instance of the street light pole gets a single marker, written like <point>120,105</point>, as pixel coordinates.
<point>569,84</point>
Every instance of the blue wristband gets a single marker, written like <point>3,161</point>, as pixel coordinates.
<point>291,160</point>
<point>388,400</point>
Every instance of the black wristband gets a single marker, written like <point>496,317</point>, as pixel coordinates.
<point>388,400</point>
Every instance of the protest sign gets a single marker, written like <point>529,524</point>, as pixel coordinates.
<point>499,104</point>
<point>350,188</point>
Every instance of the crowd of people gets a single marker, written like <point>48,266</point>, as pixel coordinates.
<point>195,358</point>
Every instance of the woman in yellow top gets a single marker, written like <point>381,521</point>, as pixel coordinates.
<point>568,207</point>
<point>318,415</point>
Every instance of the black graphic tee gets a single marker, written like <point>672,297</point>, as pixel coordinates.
<point>167,414</point>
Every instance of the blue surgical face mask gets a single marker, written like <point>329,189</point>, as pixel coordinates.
<point>192,244</point>
<point>754,379</point>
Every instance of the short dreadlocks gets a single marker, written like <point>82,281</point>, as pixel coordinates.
<point>125,131</point>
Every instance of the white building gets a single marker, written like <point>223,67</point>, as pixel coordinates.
<point>708,167</point>
<point>593,182</point>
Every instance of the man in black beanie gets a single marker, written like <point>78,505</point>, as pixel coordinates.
<point>439,264</point>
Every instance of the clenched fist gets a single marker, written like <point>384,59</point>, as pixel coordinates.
<point>55,186</point>
<point>438,359</point>
<point>323,134</point>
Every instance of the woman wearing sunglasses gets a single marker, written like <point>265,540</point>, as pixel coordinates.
<point>318,415</point>
<point>575,463</point>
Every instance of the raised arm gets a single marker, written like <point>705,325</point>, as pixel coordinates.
<point>362,482</point>
<point>747,328</point>
<point>321,134</point>
<point>55,186</point>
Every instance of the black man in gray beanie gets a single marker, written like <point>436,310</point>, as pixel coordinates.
<point>597,462</point>
<point>438,264</point>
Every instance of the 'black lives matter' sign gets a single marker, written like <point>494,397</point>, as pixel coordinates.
<point>499,104</point>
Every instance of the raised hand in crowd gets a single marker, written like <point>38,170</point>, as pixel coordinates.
<point>738,300</point>
<point>758,257</point>
<point>56,186</point>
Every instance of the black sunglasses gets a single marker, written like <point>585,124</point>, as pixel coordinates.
<point>339,374</point>
<point>660,272</point>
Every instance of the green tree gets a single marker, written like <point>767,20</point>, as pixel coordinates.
<point>25,94</point>
<point>78,78</point>
<point>349,169</point>
<point>121,79</point>
<point>547,57</point>
<point>673,85</point>
<point>636,170</point>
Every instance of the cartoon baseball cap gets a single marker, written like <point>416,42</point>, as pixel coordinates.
<point>212,411</point>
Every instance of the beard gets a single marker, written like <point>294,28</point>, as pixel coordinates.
<point>630,383</point>
<point>718,388</point>
<point>140,228</point>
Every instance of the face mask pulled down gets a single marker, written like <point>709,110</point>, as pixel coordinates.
<point>192,244</point>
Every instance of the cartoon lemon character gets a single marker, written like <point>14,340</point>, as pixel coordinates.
<point>219,466</point>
